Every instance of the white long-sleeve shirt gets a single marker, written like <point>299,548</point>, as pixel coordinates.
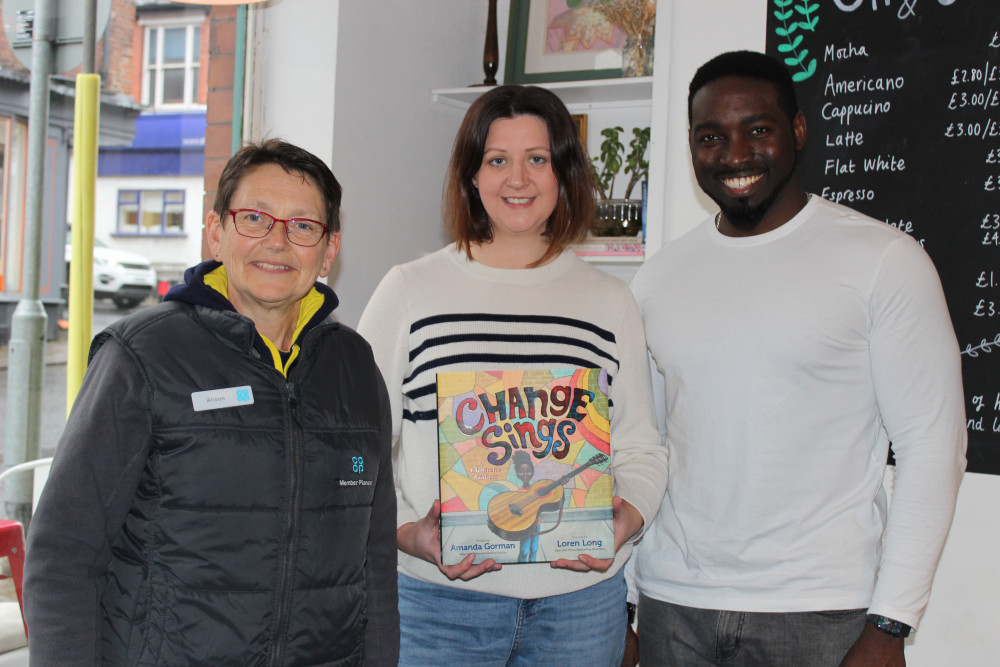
<point>790,359</point>
<point>444,312</point>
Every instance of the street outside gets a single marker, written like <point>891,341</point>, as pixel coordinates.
<point>53,408</point>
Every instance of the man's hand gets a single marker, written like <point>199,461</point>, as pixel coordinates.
<point>874,648</point>
<point>423,539</point>
<point>628,521</point>
<point>631,656</point>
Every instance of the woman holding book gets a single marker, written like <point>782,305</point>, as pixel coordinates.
<point>508,294</point>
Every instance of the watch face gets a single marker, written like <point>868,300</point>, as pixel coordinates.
<point>889,626</point>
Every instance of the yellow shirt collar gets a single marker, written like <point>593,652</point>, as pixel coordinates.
<point>218,280</point>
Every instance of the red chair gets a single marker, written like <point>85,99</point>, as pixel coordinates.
<point>12,532</point>
<point>12,546</point>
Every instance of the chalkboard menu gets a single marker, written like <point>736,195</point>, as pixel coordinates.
<point>902,103</point>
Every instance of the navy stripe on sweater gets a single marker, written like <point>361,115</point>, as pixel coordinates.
<point>525,319</point>
<point>508,338</point>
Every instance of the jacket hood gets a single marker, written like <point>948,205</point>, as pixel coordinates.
<point>197,292</point>
<point>194,290</point>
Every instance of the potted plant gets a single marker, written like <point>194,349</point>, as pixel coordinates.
<point>619,217</point>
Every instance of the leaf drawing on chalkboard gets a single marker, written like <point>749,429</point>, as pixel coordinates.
<point>796,56</point>
<point>984,346</point>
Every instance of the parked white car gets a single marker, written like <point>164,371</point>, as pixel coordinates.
<point>124,277</point>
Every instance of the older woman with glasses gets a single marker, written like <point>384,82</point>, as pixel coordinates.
<point>223,491</point>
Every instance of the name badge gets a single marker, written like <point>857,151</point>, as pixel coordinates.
<point>229,397</point>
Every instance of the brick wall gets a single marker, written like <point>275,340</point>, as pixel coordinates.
<point>116,52</point>
<point>219,115</point>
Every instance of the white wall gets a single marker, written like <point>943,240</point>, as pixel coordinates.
<point>960,627</point>
<point>291,73</point>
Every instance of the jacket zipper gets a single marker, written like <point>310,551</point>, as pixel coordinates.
<point>286,565</point>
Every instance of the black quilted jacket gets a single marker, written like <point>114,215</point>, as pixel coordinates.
<point>257,534</point>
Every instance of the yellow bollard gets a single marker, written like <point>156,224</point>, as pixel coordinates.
<point>81,278</point>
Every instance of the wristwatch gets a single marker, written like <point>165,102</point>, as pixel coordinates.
<point>889,626</point>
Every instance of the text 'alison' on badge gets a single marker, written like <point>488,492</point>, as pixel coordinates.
<point>214,399</point>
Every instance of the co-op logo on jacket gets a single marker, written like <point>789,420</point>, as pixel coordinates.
<point>357,466</point>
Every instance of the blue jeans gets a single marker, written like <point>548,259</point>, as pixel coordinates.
<point>670,634</point>
<point>441,625</point>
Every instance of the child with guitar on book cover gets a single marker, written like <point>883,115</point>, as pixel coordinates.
<point>524,468</point>
<point>510,294</point>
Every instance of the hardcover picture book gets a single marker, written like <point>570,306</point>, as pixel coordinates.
<point>524,458</point>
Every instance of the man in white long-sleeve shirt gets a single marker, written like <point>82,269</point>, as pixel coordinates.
<point>796,339</point>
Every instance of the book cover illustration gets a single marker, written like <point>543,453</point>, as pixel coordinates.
<point>524,460</point>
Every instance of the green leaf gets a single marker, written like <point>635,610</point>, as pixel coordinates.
<point>783,3</point>
<point>783,16</point>
<point>782,32</point>
<point>795,62</point>
<point>810,24</point>
<point>810,70</point>
<point>785,48</point>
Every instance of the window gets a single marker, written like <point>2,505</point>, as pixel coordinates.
<point>171,65</point>
<point>151,212</point>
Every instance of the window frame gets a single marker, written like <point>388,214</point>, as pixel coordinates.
<point>151,93</point>
<point>137,202</point>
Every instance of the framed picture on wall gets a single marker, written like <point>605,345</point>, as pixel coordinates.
<point>580,120</point>
<point>561,40</point>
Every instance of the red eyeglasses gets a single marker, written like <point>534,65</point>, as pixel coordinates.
<point>256,224</point>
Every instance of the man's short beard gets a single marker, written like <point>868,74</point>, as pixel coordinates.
<point>744,217</point>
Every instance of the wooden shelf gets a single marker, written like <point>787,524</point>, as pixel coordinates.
<point>576,95</point>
